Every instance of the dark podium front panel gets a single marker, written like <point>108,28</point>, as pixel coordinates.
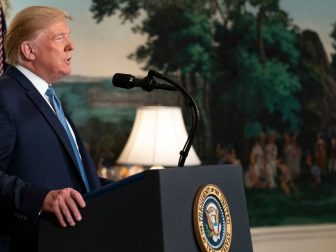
<point>150,211</point>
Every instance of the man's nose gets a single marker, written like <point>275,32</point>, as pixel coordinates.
<point>70,45</point>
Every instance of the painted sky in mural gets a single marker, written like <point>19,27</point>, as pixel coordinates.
<point>102,49</point>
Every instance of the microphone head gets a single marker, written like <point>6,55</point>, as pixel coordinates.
<point>124,81</point>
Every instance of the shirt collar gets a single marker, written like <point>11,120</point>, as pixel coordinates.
<point>40,84</point>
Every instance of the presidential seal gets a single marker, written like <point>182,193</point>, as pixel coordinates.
<point>212,220</point>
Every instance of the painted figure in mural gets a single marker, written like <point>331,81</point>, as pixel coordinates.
<point>296,157</point>
<point>222,154</point>
<point>257,155</point>
<point>291,154</point>
<point>232,157</point>
<point>271,154</point>
<point>265,179</point>
<point>321,152</point>
<point>332,155</point>
<point>259,166</point>
<point>250,178</point>
<point>314,175</point>
<point>286,181</point>
<point>44,165</point>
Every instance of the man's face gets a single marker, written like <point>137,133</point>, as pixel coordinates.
<point>52,49</point>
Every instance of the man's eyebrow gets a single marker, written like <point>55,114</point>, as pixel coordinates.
<point>61,34</point>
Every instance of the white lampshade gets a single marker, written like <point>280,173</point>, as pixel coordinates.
<point>158,135</point>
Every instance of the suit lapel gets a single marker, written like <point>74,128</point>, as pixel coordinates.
<point>52,120</point>
<point>46,111</point>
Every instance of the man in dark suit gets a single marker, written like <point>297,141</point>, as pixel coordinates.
<point>43,163</point>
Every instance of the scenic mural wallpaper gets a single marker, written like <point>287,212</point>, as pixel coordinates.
<point>261,71</point>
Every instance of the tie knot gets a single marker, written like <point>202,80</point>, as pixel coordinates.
<point>50,92</point>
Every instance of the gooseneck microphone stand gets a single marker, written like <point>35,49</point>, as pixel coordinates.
<point>195,113</point>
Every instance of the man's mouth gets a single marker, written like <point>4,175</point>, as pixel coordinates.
<point>68,60</point>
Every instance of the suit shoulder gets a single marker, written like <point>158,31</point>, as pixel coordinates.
<point>9,89</point>
<point>8,83</point>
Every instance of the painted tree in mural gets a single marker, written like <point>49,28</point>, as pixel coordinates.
<point>179,43</point>
<point>255,72</point>
<point>240,63</point>
<point>333,57</point>
<point>318,96</point>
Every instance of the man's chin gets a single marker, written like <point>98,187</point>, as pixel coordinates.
<point>62,74</point>
<point>66,72</point>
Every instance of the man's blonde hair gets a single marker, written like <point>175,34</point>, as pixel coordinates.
<point>26,25</point>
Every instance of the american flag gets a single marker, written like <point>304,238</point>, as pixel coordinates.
<point>2,33</point>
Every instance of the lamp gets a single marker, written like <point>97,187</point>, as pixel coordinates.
<point>157,137</point>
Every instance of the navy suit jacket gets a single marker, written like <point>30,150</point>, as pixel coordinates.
<point>35,153</point>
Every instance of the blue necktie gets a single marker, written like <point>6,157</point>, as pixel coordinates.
<point>60,114</point>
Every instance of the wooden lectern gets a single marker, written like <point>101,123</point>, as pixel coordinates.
<point>151,212</point>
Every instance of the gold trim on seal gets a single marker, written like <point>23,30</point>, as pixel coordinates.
<point>203,193</point>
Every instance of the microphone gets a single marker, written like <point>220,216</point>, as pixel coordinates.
<point>148,83</point>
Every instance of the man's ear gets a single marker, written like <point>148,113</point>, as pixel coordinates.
<point>27,51</point>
